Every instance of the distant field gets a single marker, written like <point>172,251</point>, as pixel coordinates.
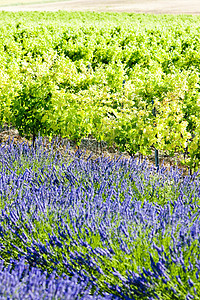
<point>134,6</point>
<point>25,2</point>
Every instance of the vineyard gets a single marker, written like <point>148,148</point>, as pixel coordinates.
<point>81,74</point>
<point>77,227</point>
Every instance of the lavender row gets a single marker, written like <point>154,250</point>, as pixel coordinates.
<point>132,232</point>
<point>18,282</point>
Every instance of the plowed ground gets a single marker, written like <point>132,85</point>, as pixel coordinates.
<point>137,6</point>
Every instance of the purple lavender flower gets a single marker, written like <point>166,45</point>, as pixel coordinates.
<point>99,219</point>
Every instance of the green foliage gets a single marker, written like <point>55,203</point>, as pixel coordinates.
<point>88,73</point>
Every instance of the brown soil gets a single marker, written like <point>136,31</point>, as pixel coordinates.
<point>137,6</point>
<point>90,145</point>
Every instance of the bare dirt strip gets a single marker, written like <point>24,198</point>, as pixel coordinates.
<point>137,6</point>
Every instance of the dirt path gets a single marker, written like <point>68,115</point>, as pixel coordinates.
<point>138,6</point>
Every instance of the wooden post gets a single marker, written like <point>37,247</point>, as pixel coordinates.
<point>156,150</point>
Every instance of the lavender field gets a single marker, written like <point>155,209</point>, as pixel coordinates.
<point>76,228</point>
